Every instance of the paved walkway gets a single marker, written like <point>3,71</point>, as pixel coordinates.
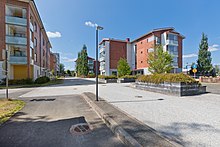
<point>46,121</point>
<point>191,121</point>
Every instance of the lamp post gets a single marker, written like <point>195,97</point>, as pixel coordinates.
<point>96,63</point>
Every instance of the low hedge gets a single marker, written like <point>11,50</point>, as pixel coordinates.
<point>129,77</point>
<point>42,80</point>
<point>170,77</point>
<point>21,82</point>
<point>107,77</point>
<point>90,76</point>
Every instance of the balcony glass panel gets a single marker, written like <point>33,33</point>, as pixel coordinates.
<point>16,20</point>
<point>18,60</point>
<point>16,40</point>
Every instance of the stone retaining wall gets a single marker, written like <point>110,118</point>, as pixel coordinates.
<point>178,89</point>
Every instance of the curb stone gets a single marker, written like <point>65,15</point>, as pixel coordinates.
<point>115,128</point>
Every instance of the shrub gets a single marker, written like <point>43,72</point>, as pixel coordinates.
<point>160,78</point>
<point>21,82</point>
<point>107,77</point>
<point>42,80</point>
<point>90,76</point>
<point>129,77</point>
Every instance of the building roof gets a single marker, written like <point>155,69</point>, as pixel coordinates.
<point>159,29</point>
<point>111,39</point>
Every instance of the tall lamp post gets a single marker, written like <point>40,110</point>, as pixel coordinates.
<point>96,69</point>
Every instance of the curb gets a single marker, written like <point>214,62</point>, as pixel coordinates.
<point>115,128</point>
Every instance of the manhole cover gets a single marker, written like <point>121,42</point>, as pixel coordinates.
<point>138,96</point>
<point>80,129</point>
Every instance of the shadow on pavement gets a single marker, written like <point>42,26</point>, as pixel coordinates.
<point>29,132</point>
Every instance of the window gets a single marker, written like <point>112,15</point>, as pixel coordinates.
<point>172,37</point>
<point>16,31</point>
<point>15,11</point>
<point>35,57</point>
<point>43,42</point>
<point>147,40</point>
<point>173,50</point>
<point>114,73</point>
<point>35,26</point>
<point>43,52</point>
<point>141,61</point>
<point>35,42</point>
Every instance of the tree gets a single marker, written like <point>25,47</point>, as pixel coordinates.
<point>62,68</point>
<point>123,68</point>
<point>204,57</point>
<point>160,61</point>
<point>217,70</point>
<point>84,61</point>
<point>82,67</point>
<point>68,72</point>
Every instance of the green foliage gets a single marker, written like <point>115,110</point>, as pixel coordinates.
<point>129,77</point>
<point>42,80</point>
<point>62,69</point>
<point>82,68</point>
<point>90,76</point>
<point>204,57</point>
<point>160,61</point>
<point>217,70</point>
<point>69,72</point>
<point>107,77</point>
<point>169,77</point>
<point>123,68</point>
<point>21,82</point>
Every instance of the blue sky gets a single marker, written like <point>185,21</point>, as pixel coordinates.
<point>129,18</point>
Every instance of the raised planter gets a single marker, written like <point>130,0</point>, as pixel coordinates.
<point>107,80</point>
<point>178,89</point>
<point>125,80</point>
<point>209,79</point>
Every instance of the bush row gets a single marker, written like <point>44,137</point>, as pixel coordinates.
<point>107,77</point>
<point>169,77</point>
<point>40,80</point>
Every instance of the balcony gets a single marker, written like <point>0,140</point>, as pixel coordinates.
<point>31,27</point>
<point>18,60</point>
<point>31,44</point>
<point>16,40</point>
<point>102,49</point>
<point>16,20</point>
<point>172,42</point>
<point>102,59</point>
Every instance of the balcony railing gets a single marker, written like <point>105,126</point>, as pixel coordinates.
<point>102,49</point>
<point>16,20</point>
<point>102,59</point>
<point>16,40</point>
<point>172,42</point>
<point>18,60</point>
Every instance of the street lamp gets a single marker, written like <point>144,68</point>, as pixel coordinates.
<point>96,69</point>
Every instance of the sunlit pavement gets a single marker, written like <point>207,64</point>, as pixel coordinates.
<point>191,121</point>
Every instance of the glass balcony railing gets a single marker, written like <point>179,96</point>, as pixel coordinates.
<point>31,44</point>
<point>16,40</point>
<point>172,42</point>
<point>16,20</point>
<point>102,59</point>
<point>18,60</point>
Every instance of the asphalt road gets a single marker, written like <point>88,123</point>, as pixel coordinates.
<point>46,121</point>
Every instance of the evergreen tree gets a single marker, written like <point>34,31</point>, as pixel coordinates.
<point>160,61</point>
<point>84,61</point>
<point>79,65</point>
<point>123,68</point>
<point>204,57</point>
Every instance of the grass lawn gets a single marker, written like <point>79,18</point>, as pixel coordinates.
<point>52,82</point>
<point>8,108</point>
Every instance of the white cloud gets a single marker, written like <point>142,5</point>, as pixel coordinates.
<point>214,47</point>
<point>190,55</point>
<point>90,24</point>
<point>54,34</point>
<point>66,59</point>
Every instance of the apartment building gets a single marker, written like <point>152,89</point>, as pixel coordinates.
<point>92,65</point>
<point>22,33</point>
<point>136,51</point>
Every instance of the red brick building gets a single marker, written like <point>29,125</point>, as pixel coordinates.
<point>22,33</point>
<point>136,52</point>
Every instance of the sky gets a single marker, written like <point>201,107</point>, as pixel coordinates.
<point>65,22</point>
